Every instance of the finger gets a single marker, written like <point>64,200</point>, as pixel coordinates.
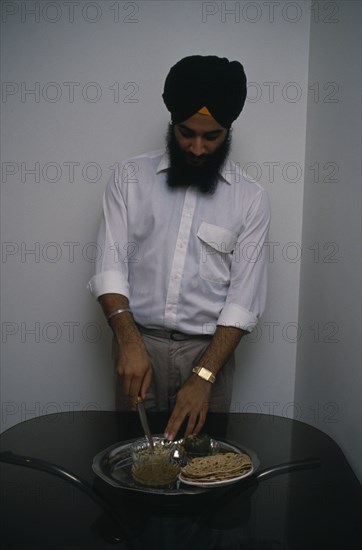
<point>190,428</point>
<point>127,384</point>
<point>146,384</point>
<point>174,424</point>
<point>201,422</point>
<point>134,393</point>
<point>133,403</point>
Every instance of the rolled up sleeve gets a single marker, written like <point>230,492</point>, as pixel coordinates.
<point>247,292</point>
<point>111,270</point>
<point>108,282</point>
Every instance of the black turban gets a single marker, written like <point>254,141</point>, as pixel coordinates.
<point>210,81</point>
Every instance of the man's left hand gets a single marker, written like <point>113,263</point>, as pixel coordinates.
<point>192,402</point>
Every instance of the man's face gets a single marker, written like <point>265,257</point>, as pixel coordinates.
<point>198,137</point>
<point>197,147</point>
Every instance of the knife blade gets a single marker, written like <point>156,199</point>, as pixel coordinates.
<point>144,421</point>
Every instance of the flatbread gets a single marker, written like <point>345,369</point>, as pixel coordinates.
<point>217,467</point>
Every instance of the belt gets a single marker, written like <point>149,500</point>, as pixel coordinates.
<point>170,334</point>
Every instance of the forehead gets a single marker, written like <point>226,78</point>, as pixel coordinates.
<point>201,123</point>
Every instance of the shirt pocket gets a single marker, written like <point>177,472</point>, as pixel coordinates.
<point>217,246</point>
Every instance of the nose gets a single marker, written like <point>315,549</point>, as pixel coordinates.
<point>197,146</point>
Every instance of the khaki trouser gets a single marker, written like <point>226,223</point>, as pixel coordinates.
<point>173,355</point>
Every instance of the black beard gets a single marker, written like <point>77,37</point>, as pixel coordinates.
<point>203,177</point>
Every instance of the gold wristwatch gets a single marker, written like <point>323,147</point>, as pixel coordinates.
<point>205,374</point>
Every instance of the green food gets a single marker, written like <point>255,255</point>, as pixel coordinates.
<point>198,444</point>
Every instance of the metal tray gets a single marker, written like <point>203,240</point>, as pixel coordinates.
<point>114,464</point>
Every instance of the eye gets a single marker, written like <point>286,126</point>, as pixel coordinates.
<point>185,132</point>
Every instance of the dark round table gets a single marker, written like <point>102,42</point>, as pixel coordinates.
<point>316,506</point>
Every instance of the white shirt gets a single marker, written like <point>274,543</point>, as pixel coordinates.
<point>186,261</point>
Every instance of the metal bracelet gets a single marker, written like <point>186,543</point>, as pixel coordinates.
<point>114,313</point>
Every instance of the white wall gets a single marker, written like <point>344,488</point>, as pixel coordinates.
<point>328,381</point>
<point>56,345</point>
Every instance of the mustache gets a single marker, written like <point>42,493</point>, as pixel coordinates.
<point>196,157</point>
<point>193,159</point>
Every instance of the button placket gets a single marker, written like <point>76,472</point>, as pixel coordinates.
<point>179,258</point>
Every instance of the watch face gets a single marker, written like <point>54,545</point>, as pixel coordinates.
<point>205,374</point>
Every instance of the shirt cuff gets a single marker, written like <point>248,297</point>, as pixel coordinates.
<point>108,282</point>
<point>234,315</point>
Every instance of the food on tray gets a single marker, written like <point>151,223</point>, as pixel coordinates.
<point>142,451</point>
<point>154,467</point>
<point>217,467</point>
<point>158,452</point>
<point>199,459</point>
<point>156,474</point>
<point>198,445</point>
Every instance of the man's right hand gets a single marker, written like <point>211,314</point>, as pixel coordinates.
<point>132,360</point>
<point>133,365</point>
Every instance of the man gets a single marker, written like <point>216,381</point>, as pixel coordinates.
<point>183,271</point>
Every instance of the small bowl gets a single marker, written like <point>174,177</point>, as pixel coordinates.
<point>157,467</point>
<point>162,450</point>
<point>214,448</point>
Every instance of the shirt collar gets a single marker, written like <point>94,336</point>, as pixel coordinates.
<point>164,163</point>
<point>225,173</point>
